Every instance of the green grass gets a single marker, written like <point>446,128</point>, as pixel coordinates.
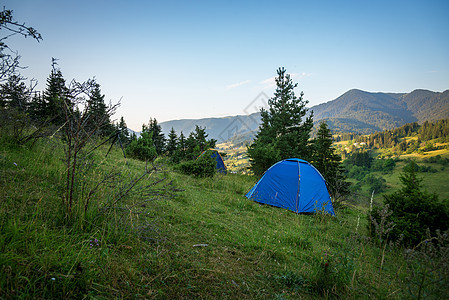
<point>207,241</point>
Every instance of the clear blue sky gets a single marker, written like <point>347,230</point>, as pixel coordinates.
<point>193,59</point>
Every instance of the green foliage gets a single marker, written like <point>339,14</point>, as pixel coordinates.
<point>428,267</point>
<point>265,156</point>
<point>41,256</point>
<point>189,149</point>
<point>15,109</point>
<point>438,160</point>
<point>99,118</point>
<point>383,165</point>
<point>361,159</point>
<point>357,172</point>
<point>14,94</point>
<point>123,132</point>
<point>375,183</point>
<point>333,273</point>
<point>285,129</point>
<point>414,210</point>
<point>436,130</point>
<point>328,162</point>
<point>172,142</point>
<point>409,138</point>
<point>157,135</point>
<point>203,166</point>
<point>56,99</point>
<point>142,148</point>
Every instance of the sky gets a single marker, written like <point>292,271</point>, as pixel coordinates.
<point>195,59</point>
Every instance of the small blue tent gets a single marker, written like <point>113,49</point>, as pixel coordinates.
<point>220,164</point>
<point>293,184</point>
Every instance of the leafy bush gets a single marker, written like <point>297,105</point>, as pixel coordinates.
<point>383,165</point>
<point>376,184</point>
<point>357,172</point>
<point>204,166</point>
<point>142,148</point>
<point>438,160</point>
<point>361,159</point>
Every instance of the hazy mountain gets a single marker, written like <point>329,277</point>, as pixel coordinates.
<point>221,129</point>
<point>354,111</point>
<point>364,112</point>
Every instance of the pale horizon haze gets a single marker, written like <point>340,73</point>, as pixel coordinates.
<point>195,59</point>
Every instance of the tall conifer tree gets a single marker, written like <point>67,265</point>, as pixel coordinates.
<point>172,142</point>
<point>14,94</point>
<point>56,97</point>
<point>123,131</point>
<point>98,113</point>
<point>157,135</point>
<point>328,162</point>
<point>285,128</point>
<point>181,147</point>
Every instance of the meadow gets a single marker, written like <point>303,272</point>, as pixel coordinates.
<point>177,236</point>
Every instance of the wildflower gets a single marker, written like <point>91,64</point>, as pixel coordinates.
<point>15,164</point>
<point>94,243</point>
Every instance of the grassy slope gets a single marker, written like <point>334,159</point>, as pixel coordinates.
<point>208,241</point>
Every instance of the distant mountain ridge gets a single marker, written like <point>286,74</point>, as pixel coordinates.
<point>365,112</point>
<point>221,129</point>
<point>355,111</point>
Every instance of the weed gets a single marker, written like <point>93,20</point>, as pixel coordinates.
<point>291,281</point>
<point>428,267</point>
<point>382,228</point>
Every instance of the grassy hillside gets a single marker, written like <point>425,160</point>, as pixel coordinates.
<point>176,236</point>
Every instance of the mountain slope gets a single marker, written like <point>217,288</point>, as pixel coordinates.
<point>221,129</point>
<point>354,111</point>
<point>365,112</point>
<point>427,105</point>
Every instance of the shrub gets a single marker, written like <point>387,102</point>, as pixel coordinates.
<point>357,172</point>
<point>204,166</point>
<point>142,148</point>
<point>376,184</point>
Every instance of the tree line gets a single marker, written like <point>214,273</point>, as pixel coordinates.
<point>437,131</point>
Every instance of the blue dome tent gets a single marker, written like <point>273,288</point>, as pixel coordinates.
<point>220,166</point>
<point>293,184</point>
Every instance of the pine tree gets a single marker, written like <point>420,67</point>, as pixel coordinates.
<point>181,147</point>
<point>98,113</point>
<point>158,136</point>
<point>328,162</point>
<point>172,142</point>
<point>285,128</point>
<point>56,97</point>
<point>192,148</point>
<point>201,139</point>
<point>123,131</point>
<point>14,118</point>
<point>14,94</point>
